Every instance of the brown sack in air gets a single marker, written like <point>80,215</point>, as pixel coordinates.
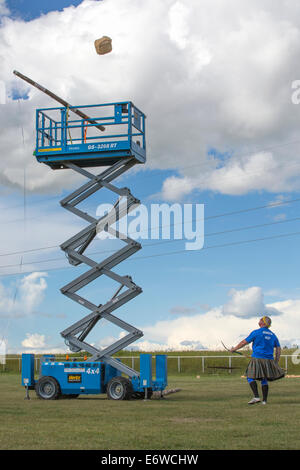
<point>103,45</point>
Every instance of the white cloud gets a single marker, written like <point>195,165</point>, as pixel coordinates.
<point>178,24</point>
<point>288,324</point>
<point>247,303</point>
<point>149,346</point>
<point>226,323</point>
<point>31,291</point>
<point>34,341</point>
<point>206,74</point>
<point>200,331</point>
<point>107,341</point>
<point>22,299</point>
<point>237,176</point>
<point>182,333</point>
<point>175,188</point>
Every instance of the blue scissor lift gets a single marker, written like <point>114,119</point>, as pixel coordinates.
<point>113,137</point>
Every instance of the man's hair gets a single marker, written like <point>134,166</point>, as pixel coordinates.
<point>267,321</point>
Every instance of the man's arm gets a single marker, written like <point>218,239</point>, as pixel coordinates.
<point>239,346</point>
<point>277,353</point>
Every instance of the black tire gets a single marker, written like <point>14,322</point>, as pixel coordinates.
<point>119,388</point>
<point>47,388</point>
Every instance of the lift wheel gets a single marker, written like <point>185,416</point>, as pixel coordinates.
<point>47,388</point>
<point>119,388</point>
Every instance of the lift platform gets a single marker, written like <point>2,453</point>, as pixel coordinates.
<point>114,132</point>
<point>110,135</point>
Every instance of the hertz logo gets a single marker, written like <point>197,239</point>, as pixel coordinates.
<point>74,378</point>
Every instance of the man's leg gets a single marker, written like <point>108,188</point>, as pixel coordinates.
<point>265,390</point>
<point>253,386</point>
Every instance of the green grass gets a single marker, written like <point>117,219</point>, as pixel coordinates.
<point>208,413</point>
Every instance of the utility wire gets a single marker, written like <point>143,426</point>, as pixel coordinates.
<point>29,251</point>
<point>274,204</point>
<point>241,242</point>
<point>225,214</point>
<point>208,217</point>
<point>146,245</point>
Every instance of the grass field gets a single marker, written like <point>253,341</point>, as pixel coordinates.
<point>208,413</point>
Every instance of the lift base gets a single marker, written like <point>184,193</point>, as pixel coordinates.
<point>71,379</point>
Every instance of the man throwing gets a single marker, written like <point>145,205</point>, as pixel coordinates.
<point>262,366</point>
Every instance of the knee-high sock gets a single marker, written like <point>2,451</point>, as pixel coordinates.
<point>253,386</point>
<point>265,390</point>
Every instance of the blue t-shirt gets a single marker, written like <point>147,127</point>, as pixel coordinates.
<point>264,342</point>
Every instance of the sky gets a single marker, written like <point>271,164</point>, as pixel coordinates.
<point>216,81</point>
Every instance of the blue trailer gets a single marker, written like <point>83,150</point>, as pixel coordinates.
<point>111,136</point>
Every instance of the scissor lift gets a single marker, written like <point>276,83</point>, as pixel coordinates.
<point>114,138</point>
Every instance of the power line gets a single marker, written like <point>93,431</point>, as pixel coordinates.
<point>225,214</point>
<point>146,245</point>
<point>29,251</point>
<point>32,203</point>
<point>166,254</point>
<point>219,246</point>
<point>223,232</point>
<point>266,206</point>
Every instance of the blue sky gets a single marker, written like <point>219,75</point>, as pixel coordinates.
<point>234,154</point>
<point>31,9</point>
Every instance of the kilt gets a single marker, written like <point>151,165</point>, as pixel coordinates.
<point>259,369</point>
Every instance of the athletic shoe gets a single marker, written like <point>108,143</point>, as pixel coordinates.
<point>254,400</point>
<point>263,402</point>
